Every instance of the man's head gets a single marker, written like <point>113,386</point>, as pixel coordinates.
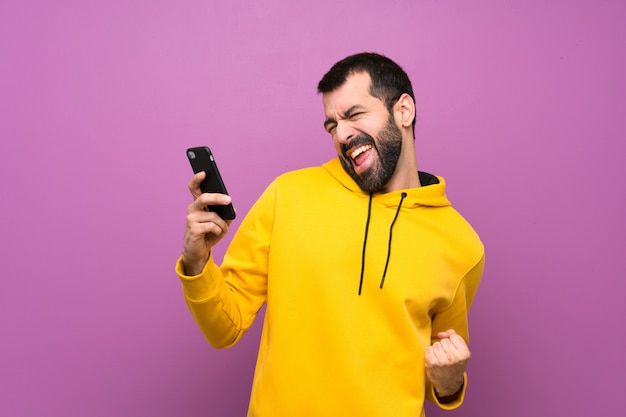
<point>389,81</point>
<point>370,114</point>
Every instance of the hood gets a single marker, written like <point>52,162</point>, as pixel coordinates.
<point>432,192</point>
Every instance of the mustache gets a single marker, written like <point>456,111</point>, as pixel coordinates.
<point>359,140</point>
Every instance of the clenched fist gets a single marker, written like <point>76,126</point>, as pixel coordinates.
<point>446,361</point>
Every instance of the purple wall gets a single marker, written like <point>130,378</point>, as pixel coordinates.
<point>521,107</point>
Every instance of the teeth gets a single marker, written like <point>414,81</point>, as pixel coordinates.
<point>358,151</point>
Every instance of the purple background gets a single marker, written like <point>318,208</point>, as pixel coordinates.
<point>521,107</point>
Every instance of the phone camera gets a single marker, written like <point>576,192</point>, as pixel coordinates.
<point>191,154</point>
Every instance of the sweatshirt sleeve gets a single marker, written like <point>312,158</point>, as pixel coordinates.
<point>224,300</point>
<point>455,317</point>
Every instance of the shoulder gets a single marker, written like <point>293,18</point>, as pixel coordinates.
<point>303,177</point>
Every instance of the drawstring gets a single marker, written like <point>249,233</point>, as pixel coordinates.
<point>382,281</point>
<point>367,225</point>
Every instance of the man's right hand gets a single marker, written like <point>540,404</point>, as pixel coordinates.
<point>204,228</point>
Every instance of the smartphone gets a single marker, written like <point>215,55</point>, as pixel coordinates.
<point>201,159</point>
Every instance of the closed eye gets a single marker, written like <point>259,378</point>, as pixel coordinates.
<point>353,113</point>
<point>330,126</point>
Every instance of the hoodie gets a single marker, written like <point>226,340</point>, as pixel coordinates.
<point>356,287</point>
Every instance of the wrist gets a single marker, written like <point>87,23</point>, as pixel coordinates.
<point>193,267</point>
<point>449,395</point>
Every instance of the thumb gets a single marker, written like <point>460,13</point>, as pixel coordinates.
<point>446,334</point>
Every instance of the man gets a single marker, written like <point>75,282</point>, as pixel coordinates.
<point>367,271</point>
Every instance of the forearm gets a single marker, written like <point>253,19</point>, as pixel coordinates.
<point>225,300</point>
<point>213,308</point>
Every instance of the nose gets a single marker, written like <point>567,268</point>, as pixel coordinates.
<point>343,132</point>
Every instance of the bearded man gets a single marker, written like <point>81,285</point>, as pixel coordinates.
<point>366,270</point>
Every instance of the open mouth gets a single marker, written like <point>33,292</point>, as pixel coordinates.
<point>359,154</point>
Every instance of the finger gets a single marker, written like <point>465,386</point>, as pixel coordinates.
<point>206,228</point>
<point>447,353</point>
<point>447,346</point>
<point>446,334</point>
<point>202,216</point>
<point>438,353</point>
<point>429,352</point>
<point>194,184</point>
<point>452,354</point>
<point>440,358</point>
<point>204,200</point>
<point>430,357</point>
<point>200,237</point>
<point>457,341</point>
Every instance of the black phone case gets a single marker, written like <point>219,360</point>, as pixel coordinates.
<point>201,159</point>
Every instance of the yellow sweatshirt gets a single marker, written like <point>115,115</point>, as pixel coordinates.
<point>303,249</point>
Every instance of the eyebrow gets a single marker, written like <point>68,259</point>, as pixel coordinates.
<point>330,121</point>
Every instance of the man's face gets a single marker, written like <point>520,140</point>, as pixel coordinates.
<point>367,140</point>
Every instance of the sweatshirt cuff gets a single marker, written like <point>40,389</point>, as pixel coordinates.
<point>457,401</point>
<point>198,288</point>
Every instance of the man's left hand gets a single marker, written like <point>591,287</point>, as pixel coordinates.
<point>446,361</point>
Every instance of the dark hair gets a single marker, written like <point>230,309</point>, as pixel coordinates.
<point>389,81</point>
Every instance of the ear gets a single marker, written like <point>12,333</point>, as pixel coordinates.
<point>405,110</point>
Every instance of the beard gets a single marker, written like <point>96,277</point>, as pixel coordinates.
<point>388,148</point>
